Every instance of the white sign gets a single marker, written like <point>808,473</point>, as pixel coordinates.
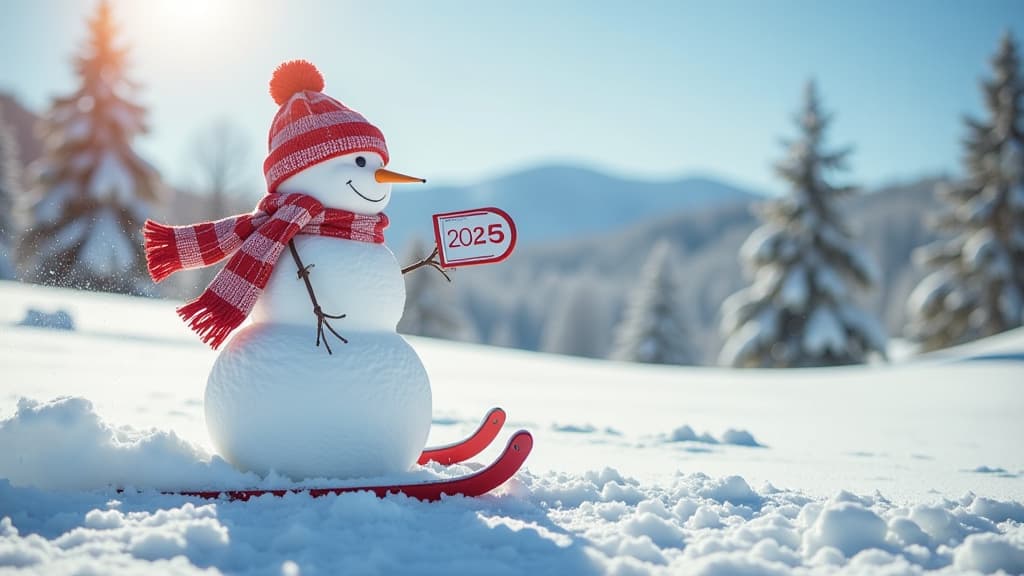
<point>470,237</point>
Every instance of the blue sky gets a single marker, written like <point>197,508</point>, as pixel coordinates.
<point>465,90</point>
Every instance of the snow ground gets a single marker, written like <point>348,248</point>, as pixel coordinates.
<point>910,467</point>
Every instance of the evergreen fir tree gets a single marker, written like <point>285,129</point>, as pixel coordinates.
<point>430,309</point>
<point>976,287</point>
<point>653,329</point>
<point>10,187</point>
<point>92,192</point>
<point>799,310</point>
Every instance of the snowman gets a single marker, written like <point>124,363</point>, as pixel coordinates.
<point>314,380</point>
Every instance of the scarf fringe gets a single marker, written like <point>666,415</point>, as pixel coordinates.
<point>212,317</point>
<point>161,250</point>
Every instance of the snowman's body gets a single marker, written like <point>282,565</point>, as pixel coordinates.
<point>359,279</point>
<point>276,401</point>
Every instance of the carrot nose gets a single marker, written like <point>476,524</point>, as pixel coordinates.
<point>384,176</point>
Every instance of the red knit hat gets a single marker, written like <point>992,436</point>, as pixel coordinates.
<point>311,126</point>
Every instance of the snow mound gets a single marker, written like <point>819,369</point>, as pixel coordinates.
<point>739,438</point>
<point>63,444</point>
<point>686,434</point>
<point>58,320</point>
<point>997,511</point>
<point>847,527</point>
<point>733,436</point>
<point>989,553</point>
<point>995,470</point>
<point>584,429</point>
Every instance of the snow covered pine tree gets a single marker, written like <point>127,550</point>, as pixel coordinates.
<point>93,192</point>
<point>976,287</point>
<point>653,329</point>
<point>10,186</point>
<point>799,311</point>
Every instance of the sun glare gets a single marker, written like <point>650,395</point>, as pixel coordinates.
<point>175,29</point>
<point>189,18</point>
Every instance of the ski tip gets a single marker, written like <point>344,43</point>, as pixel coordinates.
<point>520,443</point>
<point>495,417</point>
<point>462,450</point>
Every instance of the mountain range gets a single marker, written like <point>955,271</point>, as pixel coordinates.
<point>558,202</point>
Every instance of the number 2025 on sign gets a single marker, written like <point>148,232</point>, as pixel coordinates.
<point>471,237</point>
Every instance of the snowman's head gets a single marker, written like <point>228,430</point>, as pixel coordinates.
<point>320,147</point>
<point>356,182</point>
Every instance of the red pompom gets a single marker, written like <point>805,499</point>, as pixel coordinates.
<point>292,77</point>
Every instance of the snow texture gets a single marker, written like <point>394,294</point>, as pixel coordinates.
<point>799,311</point>
<point>598,522</point>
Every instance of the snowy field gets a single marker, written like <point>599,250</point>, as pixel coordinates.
<point>910,467</point>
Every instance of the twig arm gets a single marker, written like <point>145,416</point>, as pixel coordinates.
<point>428,261</point>
<point>321,316</point>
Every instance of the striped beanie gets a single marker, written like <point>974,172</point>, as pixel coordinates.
<point>311,126</point>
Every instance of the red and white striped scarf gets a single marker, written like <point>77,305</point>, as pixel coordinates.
<point>254,242</point>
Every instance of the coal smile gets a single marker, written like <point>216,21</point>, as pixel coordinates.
<point>381,199</point>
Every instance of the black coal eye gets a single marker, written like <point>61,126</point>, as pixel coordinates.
<point>360,161</point>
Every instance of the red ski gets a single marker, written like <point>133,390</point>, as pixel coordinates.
<point>471,446</point>
<point>476,484</point>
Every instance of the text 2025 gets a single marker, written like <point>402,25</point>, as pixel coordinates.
<point>460,237</point>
